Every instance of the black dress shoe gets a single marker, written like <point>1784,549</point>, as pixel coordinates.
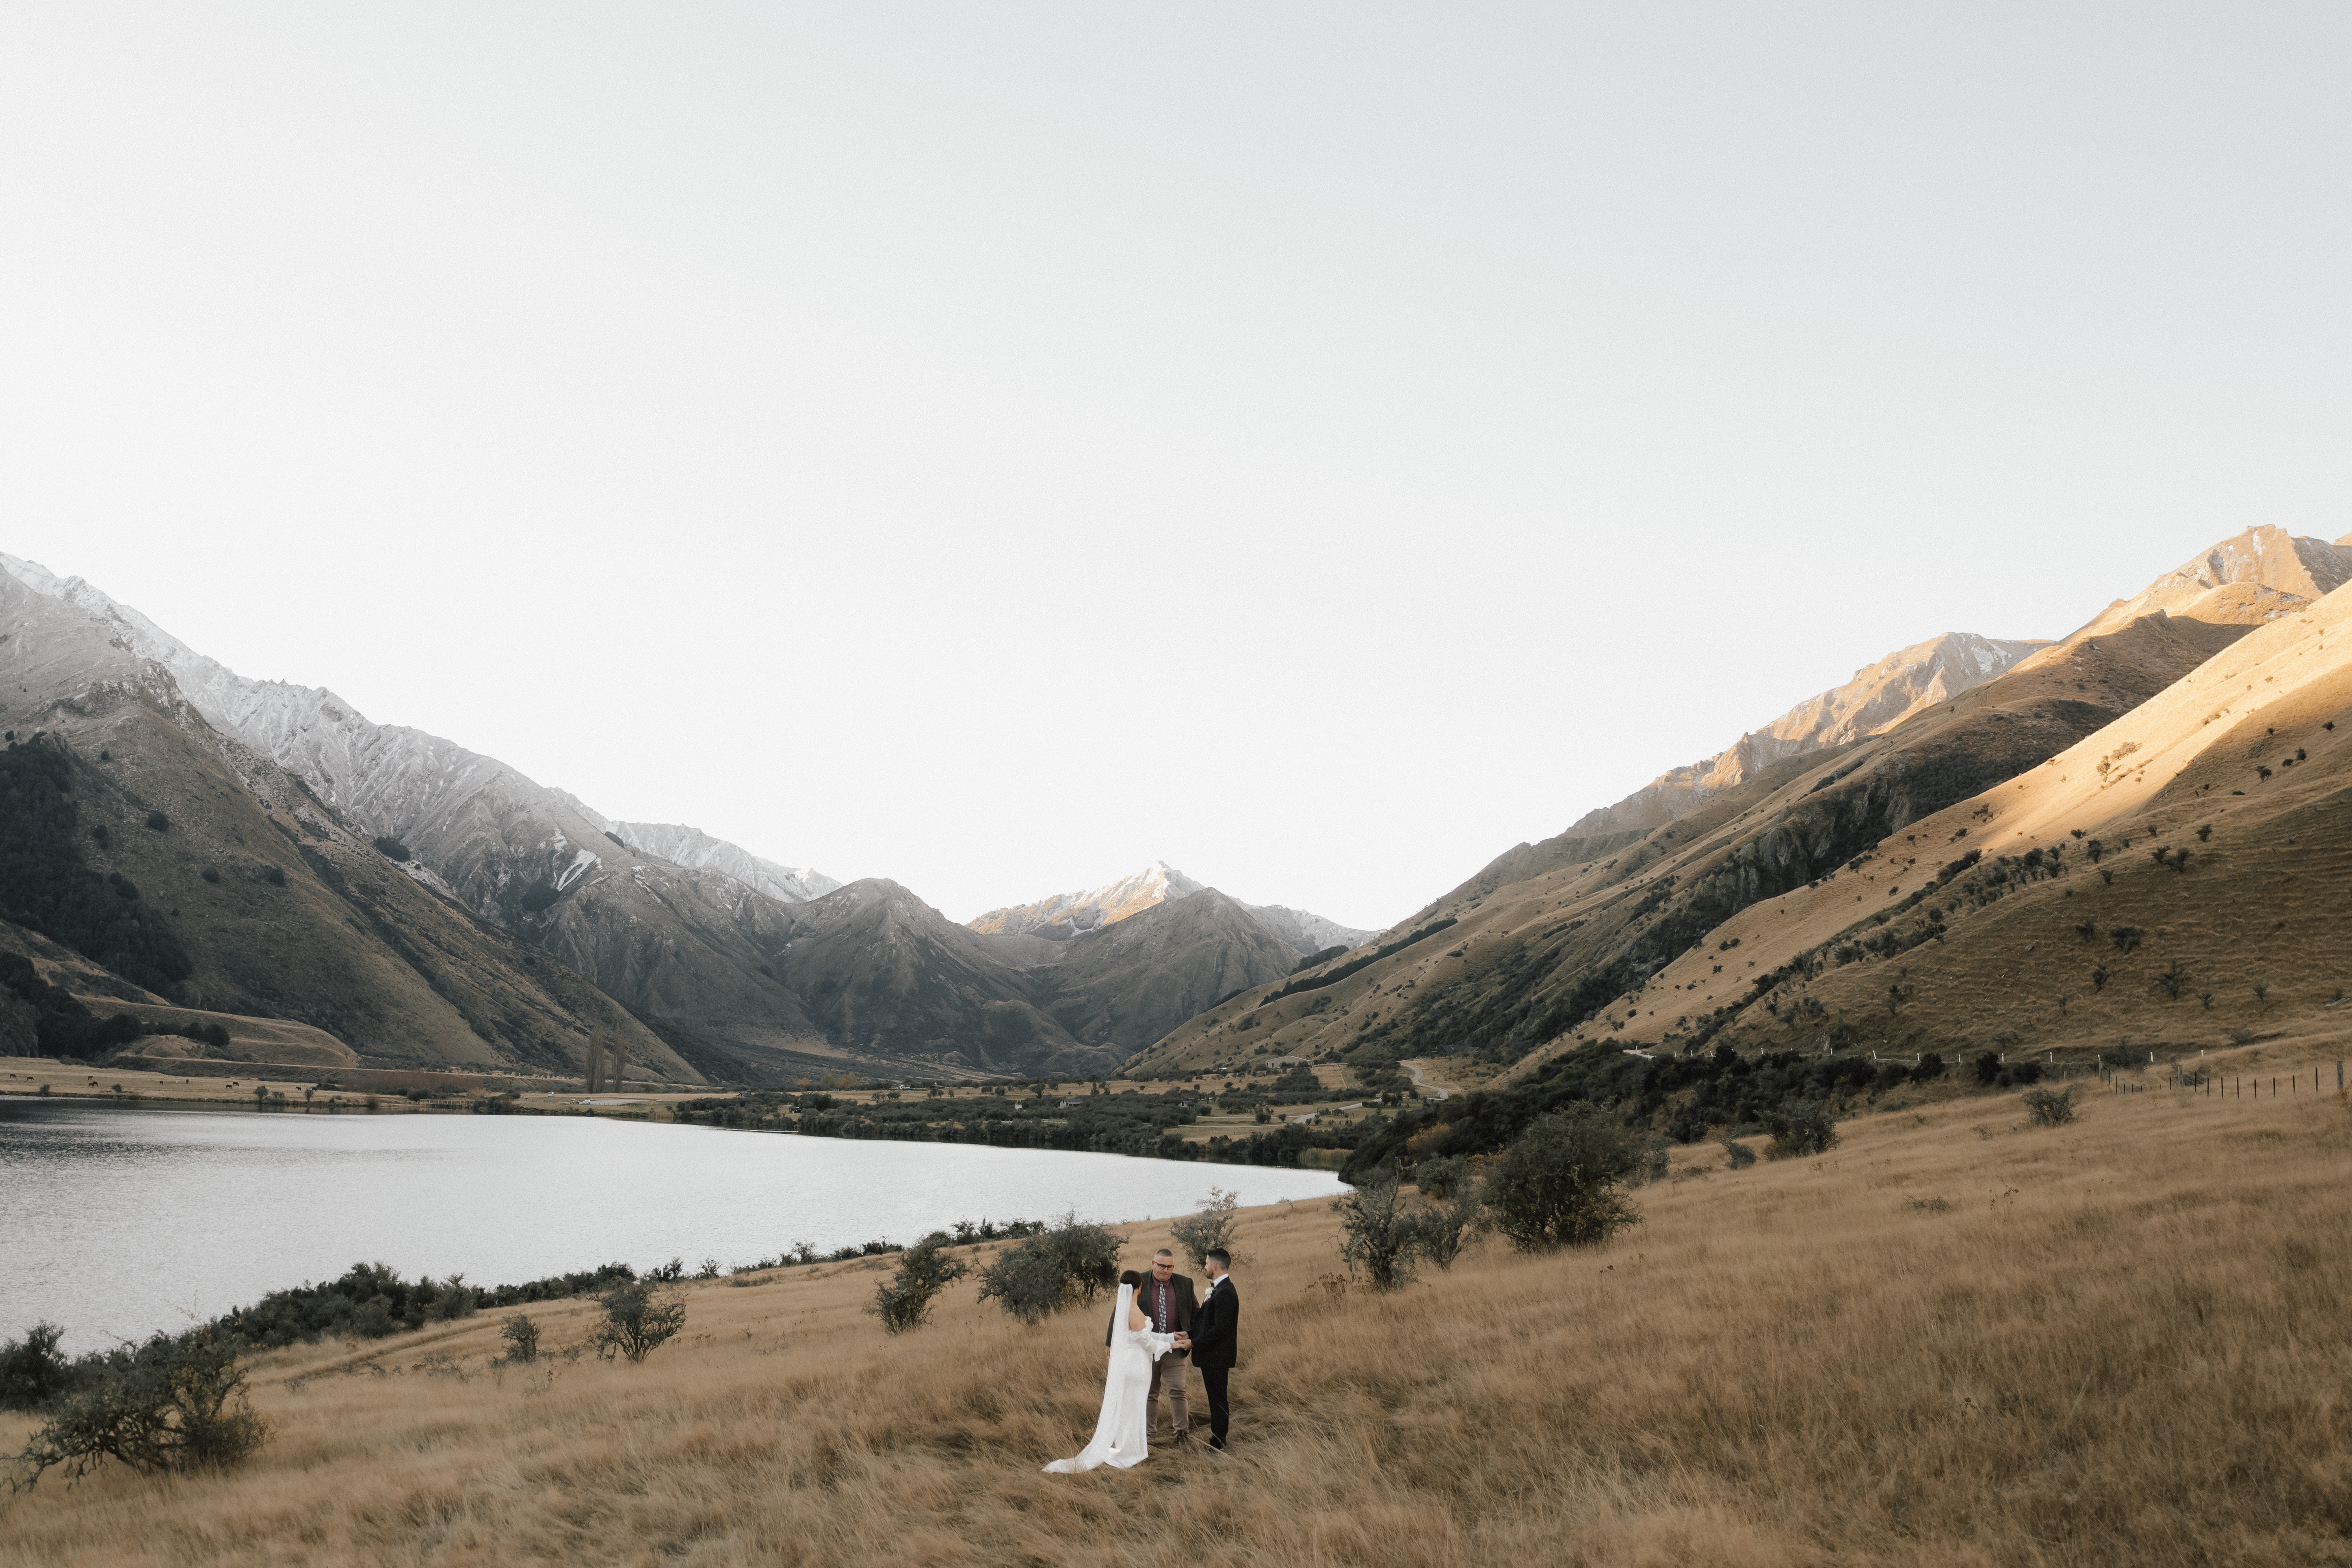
<point>1218,1443</point>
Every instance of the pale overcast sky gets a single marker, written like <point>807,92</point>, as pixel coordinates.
<point>995,446</point>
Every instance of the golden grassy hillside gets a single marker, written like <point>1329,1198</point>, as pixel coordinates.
<point>1952,1341</point>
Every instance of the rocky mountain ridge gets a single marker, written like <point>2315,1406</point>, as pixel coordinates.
<point>1880,695</point>
<point>1063,916</point>
<point>1550,937</point>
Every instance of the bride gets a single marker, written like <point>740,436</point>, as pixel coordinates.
<point>1120,1430</point>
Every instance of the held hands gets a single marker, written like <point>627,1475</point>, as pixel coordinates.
<point>1184,1341</point>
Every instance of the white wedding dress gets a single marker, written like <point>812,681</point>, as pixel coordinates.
<point>1121,1431</point>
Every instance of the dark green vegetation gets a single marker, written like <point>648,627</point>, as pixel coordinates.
<point>1129,1122</point>
<point>1563,1182</point>
<point>174,1404</point>
<point>62,1027</point>
<point>904,1301</point>
<point>1070,1264</point>
<point>371,1300</point>
<point>640,1317</point>
<point>46,885</point>
<point>1685,1099</point>
<point>1354,966</point>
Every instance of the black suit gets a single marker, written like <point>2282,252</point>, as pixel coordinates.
<point>1216,1323</point>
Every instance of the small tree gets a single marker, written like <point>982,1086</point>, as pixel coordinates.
<point>1378,1239</point>
<point>1739,1155</point>
<point>1563,1182</point>
<point>1070,1263</point>
<point>32,1371</point>
<point>640,1318</point>
<point>176,1403</point>
<point>1211,1230</point>
<point>904,1301</point>
<point>1442,1229</point>
<point>521,1336</point>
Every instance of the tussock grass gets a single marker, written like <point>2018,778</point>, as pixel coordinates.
<point>2123,1342</point>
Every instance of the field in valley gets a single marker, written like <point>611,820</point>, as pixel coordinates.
<point>1955,1339</point>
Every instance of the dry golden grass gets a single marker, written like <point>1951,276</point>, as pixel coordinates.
<point>2122,1342</point>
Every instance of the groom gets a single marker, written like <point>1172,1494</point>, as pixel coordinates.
<point>1211,1341</point>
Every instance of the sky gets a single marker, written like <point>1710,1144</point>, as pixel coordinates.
<point>993,447</point>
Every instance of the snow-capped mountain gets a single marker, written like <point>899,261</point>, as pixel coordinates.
<point>1066,915</point>
<point>691,847</point>
<point>687,943</point>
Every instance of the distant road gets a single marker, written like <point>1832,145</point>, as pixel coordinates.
<point>1435,1090</point>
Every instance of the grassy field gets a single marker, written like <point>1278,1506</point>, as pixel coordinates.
<point>1953,1339</point>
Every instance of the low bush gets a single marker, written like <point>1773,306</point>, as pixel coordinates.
<point>1561,1183</point>
<point>904,1301</point>
<point>2049,1108</point>
<point>174,1404</point>
<point>521,1336</point>
<point>1070,1263</point>
<point>640,1317</point>
<point>394,849</point>
<point>158,823</point>
<point>1442,1229</point>
<point>1437,1177</point>
<point>1800,1129</point>
<point>1739,1155</point>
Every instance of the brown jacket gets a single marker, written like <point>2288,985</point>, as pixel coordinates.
<point>1182,1307</point>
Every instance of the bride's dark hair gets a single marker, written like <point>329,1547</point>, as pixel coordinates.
<point>1129,1277</point>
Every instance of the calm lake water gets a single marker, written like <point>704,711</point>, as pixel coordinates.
<point>115,1223</point>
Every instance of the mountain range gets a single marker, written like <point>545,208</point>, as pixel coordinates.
<point>1857,869</point>
<point>409,858</point>
<point>2144,810</point>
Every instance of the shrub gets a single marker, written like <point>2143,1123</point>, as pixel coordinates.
<point>1378,1239</point>
<point>1437,1177</point>
<point>1987,1065</point>
<point>1800,1127</point>
<point>394,849</point>
<point>1931,1065</point>
<point>2049,1108</point>
<point>273,875</point>
<point>521,1336</point>
<point>1442,1229</point>
<point>452,1300</point>
<point>1071,1263</point>
<point>173,1404</point>
<point>1741,1155</point>
<point>210,874</point>
<point>1211,1230</point>
<point>640,1318</point>
<point>32,1372</point>
<point>1563,1182</point>
<point>158,823</point>
<point>904,1301</point>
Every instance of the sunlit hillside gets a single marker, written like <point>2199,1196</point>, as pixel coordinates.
<point>1955,1339</point>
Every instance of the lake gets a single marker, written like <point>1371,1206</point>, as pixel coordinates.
<point>115,1223</point>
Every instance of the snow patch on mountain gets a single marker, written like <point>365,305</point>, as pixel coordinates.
<point>682,846</point>
<point>1066,915</point>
